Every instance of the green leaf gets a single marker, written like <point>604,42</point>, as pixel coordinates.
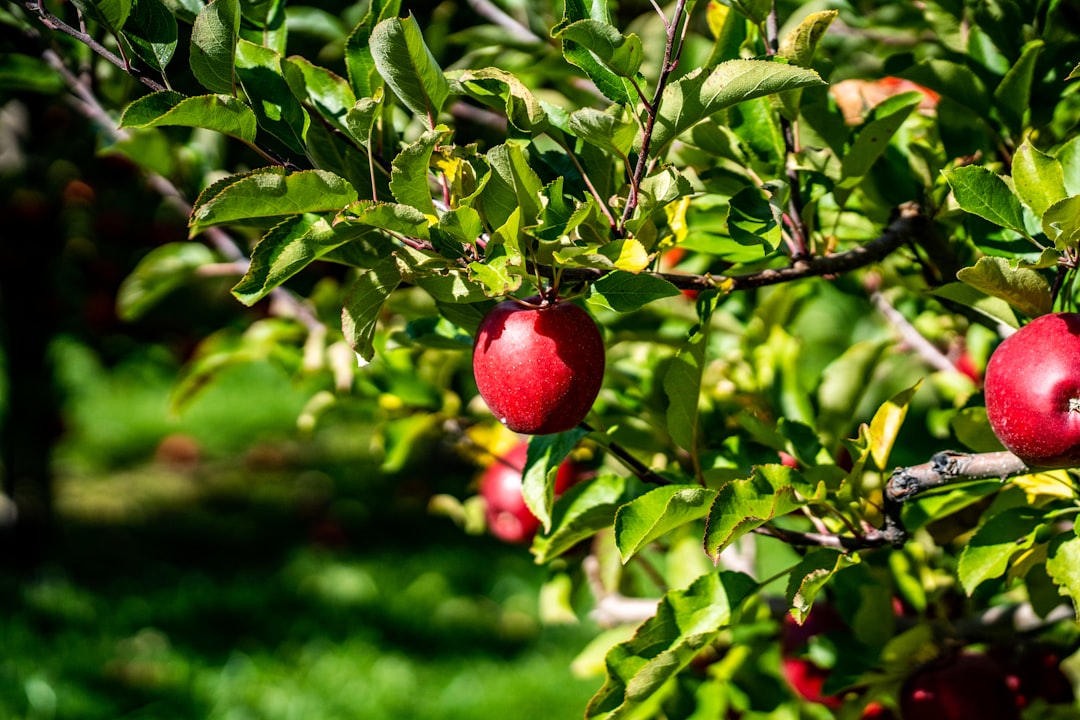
<point>329,93</point>
<point>158,273</point>
<point>987,554</point>
<point>625,291</point>
<point>294,244</point>
<point>988,306</point>
<point>359,62</point>
<point>1026,290</point>
<point>22,72</point>
<point>151,33</point>
<point>497,275</point>
<point>800,43</point>
<point>270,193</point>
<point>798,48</point>
<point>622,54</point>
<point>410,172</point>
<point>360,118</point>
<point>1013,95</point>
<point>279,112</point>
<point>752,219</point>
<point>686,621</point>
<point>503,90</point>
<point>546,453</point>
<point>657,512</point>
<point>742,505</point>
<point>886,424</point>
<point>110,13</point>
<point>1061,223</point>
<point>513,186</point>
<point>364,300</point>
<point>701,93</point>
<point>408,67</point>
<point>1038,178</point>
<point>606,81</point>
<point>582,511</point>
<point>220,113</point>
<point>608,130</point>
<point>1063,566</point>
<point>809,577</point>
<point>984,193</point>
<point>214,38</point>
<point>873,137</point>
<point>682,387</point>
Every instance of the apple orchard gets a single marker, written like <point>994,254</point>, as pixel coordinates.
<point>757,319</point>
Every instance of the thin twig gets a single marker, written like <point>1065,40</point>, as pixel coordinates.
<point>54,23</point>
<point>671,58</point>
<point>637,467</point>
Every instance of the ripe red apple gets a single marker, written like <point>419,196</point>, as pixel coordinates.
<point>959,687</point>
<point>1032,386</point>
<point>508,517</point>
<point>539,366</point>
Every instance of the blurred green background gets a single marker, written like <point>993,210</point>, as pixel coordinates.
<point>212,565</point>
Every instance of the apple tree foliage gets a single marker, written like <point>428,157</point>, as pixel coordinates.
<point>801,227</point>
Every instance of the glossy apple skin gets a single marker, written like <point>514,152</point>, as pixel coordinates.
<point>508,517</point>
<point>538,369</point>
<point>1032,386</point>
<point>964,687</point>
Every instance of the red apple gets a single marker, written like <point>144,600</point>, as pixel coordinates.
<point>960,687</point>
<point>508,517</point>
<point>803,675</point>
<point>1032,387</point>
<point>538,367</point>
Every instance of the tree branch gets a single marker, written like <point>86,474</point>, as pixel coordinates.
<point>907,225</point>
<point>949,467</point>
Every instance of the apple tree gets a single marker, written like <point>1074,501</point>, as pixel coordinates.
<point>800,230</point>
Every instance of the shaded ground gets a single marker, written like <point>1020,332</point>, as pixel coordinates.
<point>284,581</point>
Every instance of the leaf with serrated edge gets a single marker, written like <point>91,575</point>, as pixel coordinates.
<point>364,299</point>
<point>655,513</point>
<point>545,454</point>
<point>622,54</point>
<point>220,113</point>
<point>405,62</point>
<point>1038,178</point>
<point>1063,565</point>
<point>151,32</point>
<point>264,195</point>
<point>685,622</point>
<point>701,93</point>
<point>623,291</point>
<point>809,577</point>
<point>742,505</point>
<point>214,38</point>
<point>987,554</point>
<point>1026,290</point>
<point>582,511</point>
<point>982,192</point>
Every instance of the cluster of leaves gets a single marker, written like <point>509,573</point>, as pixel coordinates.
<point>402,191</point>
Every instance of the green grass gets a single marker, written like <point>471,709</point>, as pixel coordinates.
<point>301,584</point>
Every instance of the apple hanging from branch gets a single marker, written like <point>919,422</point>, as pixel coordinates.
<point>1032,386</point>
<point>538,364</point>
<point>508,517</point>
